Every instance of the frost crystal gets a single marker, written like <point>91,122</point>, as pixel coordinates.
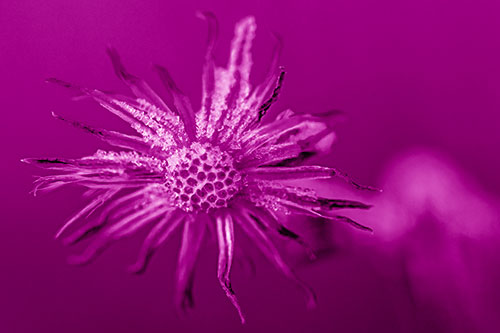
<point>214,168</point>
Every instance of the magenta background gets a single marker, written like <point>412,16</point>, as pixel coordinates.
<point>408,74</point>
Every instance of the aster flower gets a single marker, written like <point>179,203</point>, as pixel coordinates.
<point>221,167</point>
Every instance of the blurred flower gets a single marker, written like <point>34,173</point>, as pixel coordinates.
<point>435,241</point>
<point>202,170</point>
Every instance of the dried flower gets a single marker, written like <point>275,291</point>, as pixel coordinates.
<point>212,169</point>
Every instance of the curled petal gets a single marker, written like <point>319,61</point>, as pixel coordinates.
<point>181,101</point>
<point>256,100</point>
<point>138,86</point>
<point>225,237</point>
<point>267,104</point>
<point>265,87</point>
<point>213,30</point>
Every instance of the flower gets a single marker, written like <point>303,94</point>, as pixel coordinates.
<point>212,169</point>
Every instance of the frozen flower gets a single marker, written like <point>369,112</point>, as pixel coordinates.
<point>212,169</point>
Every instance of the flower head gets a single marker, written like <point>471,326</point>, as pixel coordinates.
<point>213,169</point>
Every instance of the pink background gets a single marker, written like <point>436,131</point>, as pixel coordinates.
<point>407,74</point>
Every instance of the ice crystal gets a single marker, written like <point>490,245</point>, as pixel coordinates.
<point>211,169</point>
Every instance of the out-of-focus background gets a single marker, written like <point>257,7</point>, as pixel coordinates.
<point>419,83</point>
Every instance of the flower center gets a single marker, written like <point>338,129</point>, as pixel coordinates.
<point>202,178</point>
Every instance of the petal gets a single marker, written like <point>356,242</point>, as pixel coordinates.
<point>155,238</point>
<point>119,229</point>
<point>267,104</point>
<point>138,86</point>
<point>295,129</point>
<point>116,139</point>
<point>246,116</point>
<point>269,222</point>
<point>98,201</point>
<point>313,133</point>
<point>301,201</point>
<point>328,215</point>
<point>303,197</point>
<point>115,209</point>
<point>260,238</point>
<point>181,101</point>
<point>157,129</point>
<point>208,76</point>
<point>302,172</point>
<point>96,173</point>
<point>225,237</point>
<point>294,173</point>
<point>232,83</point>
<point>102,161</point>
<point>270,155</point>
<point>192,237</point>
<point>255,103</point>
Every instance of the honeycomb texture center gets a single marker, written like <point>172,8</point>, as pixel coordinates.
<point>203,179</point>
